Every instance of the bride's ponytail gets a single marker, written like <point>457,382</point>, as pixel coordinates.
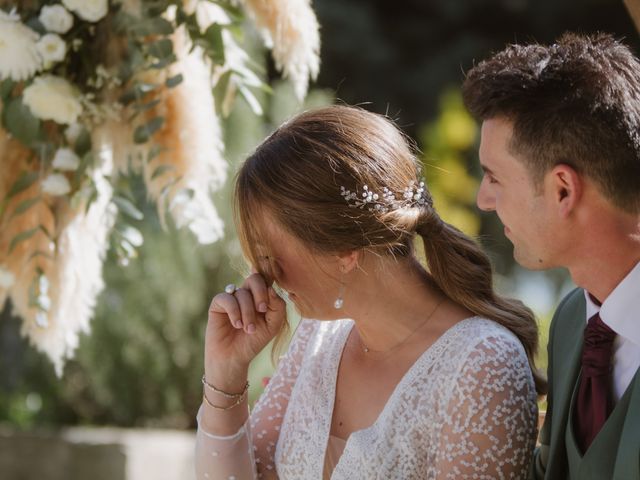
<point>462,270</point>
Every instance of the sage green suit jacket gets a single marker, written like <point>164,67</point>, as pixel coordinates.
<point>615,452</point>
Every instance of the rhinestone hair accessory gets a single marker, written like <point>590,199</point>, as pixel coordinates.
<point>414,195</point>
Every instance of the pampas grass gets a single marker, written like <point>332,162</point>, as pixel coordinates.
<point>291,30</point>
<point>69,269</point>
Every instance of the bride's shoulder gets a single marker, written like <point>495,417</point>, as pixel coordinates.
<point>479,334</point>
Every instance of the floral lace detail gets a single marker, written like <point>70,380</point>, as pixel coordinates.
<point>465,409</point>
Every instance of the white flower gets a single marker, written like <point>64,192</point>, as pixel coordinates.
<point>19,58</point>
<point>52,49</point>
<point>66,159</point>
<point>56,18</point>
<point>56,184</point>
<point>53,98</point>
<point>72,132</point>
<point>89,10</point>
<point>7,278</point>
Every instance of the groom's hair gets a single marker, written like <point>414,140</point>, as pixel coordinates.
<point>576,102</point>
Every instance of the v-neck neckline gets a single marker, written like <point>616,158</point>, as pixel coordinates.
<point>428,355</point>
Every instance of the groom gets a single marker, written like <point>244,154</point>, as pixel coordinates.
<point>560,150</point>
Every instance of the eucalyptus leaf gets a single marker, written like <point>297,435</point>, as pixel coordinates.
<point>144,132</point>
<point>6,87</point>
<point>161,49</point>
<point>128,208</point>
<point>20,122</point>
<point>46,232</point>
<point>221,94</point>
<point>152,26</point>
<point>251,99</point>
<point>83,143</point>
<point>215,43</point>
<point>154,151</point>
<point>161,170</point>
<point>21,237</point>
<point>25,181</point>
<point>174,81</point>
<point>165,62</point>
<point>24,205</point>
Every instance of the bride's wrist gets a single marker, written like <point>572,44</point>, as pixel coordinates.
<point>227,378</point>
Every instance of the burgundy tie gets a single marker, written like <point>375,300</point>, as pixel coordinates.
<point>595,401</point>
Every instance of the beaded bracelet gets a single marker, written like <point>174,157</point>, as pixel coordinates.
<point>226,394</point>
<point>217,407</point>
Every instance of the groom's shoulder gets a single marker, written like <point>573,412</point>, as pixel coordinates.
<point>571,301</point>
<point>570,309</point>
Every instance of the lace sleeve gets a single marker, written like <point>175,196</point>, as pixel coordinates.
<point>250,452</point>
<point>489,428</point>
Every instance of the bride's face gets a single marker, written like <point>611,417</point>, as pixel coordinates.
<point>311,280</point>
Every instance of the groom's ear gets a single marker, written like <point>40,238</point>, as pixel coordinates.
<point>567,187</point>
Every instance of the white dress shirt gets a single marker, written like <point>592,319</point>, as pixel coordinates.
<point>621,312</point>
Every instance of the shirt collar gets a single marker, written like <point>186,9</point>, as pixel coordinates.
<point>620,309</point>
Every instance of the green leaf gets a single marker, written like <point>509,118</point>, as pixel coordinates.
<point>154,151</point>
<point>25,181</point>
<point>22,236</point>
<point>251,99</point>
<point>165,62</point>
<point>144,132</point>
<point>221,93</point>
<point>161,49</point>
<point>137,92</point>
<point>214,43</point>
<point>128,208</point>
<point>161,169</point>
<point>83,143</point>
<point>152,26</point>
<point>143,107</point>
<point>6,87</point>
<point>174,81</point>
<point>20,122</point>
<point>24,206</point>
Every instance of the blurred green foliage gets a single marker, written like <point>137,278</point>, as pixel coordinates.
<point>448,147</point>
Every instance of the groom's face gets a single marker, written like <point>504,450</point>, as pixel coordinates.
<point>508,189</point>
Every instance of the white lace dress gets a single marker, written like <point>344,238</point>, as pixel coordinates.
<point>465,409</point>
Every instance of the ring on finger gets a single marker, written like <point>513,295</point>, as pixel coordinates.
<point>230,289</point>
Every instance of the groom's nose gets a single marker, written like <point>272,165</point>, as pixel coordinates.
<point>485,199</point>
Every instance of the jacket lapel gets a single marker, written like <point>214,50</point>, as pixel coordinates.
<point>567,350</point>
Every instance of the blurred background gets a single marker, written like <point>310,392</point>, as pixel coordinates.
<point>141,365</point>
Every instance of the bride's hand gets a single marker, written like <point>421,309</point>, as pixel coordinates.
<point>241,324</point>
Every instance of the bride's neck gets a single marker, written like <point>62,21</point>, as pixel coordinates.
<point>390,300</point>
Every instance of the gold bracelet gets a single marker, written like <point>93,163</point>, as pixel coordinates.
<point>217,407</point>
<point>226,394</point>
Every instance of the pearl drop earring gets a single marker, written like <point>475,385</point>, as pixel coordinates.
<point>340,300</point>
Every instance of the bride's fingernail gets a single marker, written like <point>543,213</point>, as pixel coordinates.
<point>251,328</point>
<point>262,307</point>
<point>237,324</point>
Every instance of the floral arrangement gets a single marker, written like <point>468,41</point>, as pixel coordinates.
<point>93,90</point>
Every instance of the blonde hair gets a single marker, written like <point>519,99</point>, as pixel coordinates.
<point>296,174</point>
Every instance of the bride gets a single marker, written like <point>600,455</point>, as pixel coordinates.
<point>397,370</point>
